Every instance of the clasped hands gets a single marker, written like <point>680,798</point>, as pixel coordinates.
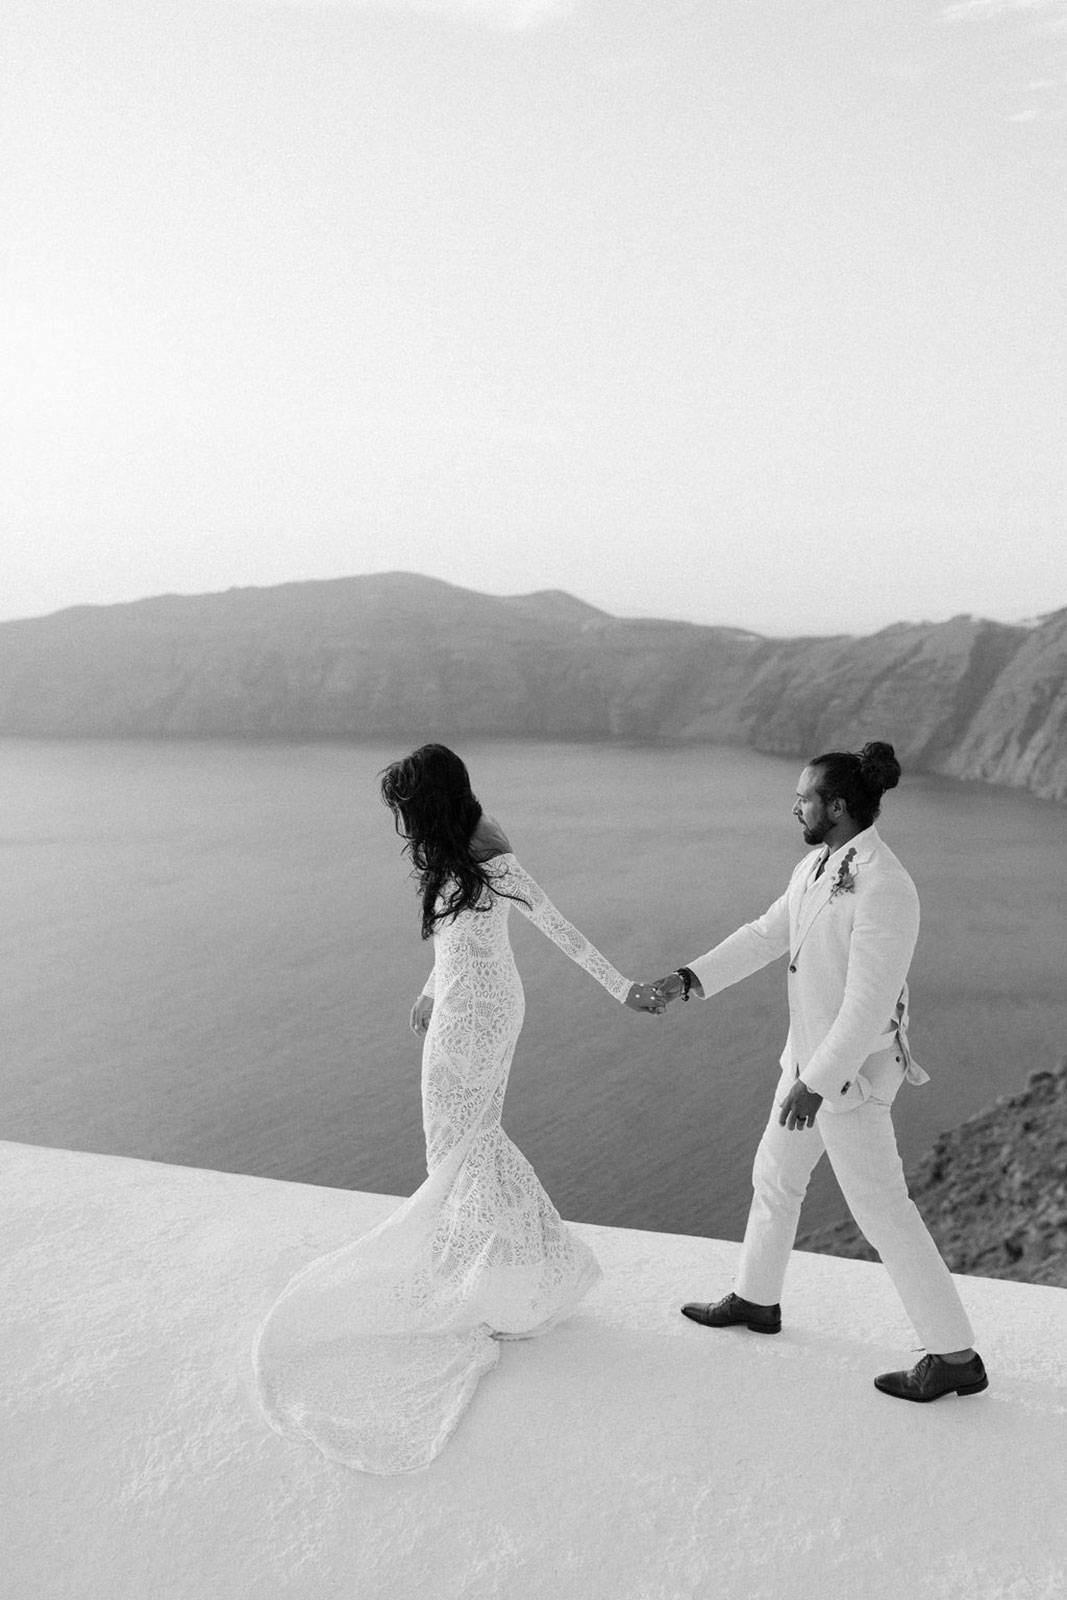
<point>646,997</point>
<point>655,996</point>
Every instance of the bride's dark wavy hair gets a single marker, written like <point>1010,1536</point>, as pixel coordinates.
<point>435,812</point>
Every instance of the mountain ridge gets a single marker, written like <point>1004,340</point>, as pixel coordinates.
<point>401,654</point>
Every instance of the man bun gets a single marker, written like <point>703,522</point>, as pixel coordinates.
<point>859,780</point>
<point>879,766</point>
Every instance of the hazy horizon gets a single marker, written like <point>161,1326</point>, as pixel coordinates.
<point>742,314</point>
<point>524,594</point>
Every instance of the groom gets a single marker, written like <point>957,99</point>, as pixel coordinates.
<point>848,922</point>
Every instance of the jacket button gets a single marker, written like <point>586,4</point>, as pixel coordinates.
<point>792,966</point>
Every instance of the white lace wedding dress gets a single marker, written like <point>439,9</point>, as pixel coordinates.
<point>373,1351</point>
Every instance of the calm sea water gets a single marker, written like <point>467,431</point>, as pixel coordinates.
<point>210,951</point>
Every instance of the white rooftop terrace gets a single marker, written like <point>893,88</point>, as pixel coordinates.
<point>628,1454</point>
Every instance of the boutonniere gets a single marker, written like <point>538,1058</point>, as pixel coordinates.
<point>845,882</point>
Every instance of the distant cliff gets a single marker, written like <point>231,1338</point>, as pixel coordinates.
<point>401,655</point>
<point>993,1191</point>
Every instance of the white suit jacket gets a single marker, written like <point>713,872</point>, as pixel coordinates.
<point>849,936</point>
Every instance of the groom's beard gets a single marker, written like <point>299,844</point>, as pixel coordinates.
<point>816,833</point>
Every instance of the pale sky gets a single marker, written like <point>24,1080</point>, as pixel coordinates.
<point>743,311</point>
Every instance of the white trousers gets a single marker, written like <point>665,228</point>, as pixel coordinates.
<point>863,1153</point>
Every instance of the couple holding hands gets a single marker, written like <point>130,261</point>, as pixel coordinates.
<point>373,1351</point>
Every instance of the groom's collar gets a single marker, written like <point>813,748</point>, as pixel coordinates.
<point>863,844</point>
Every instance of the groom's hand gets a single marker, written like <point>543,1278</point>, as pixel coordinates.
<point>670,988</point>
<point>645,997</point>
<point>799,1107</point>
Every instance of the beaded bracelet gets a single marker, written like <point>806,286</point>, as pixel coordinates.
<point>687,980</point>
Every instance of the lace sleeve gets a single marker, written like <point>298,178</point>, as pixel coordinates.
<point>512,879</point>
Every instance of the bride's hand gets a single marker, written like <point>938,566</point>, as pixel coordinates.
<point>645,997</point>
<point>421,1013</point>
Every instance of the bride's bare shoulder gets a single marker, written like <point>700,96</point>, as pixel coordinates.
<point>489,839</point>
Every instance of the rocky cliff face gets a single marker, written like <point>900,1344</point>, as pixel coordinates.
<point>993,1191</point>
<point>402,655</point>
<point>1018,733</point>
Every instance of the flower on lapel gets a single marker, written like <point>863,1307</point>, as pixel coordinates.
<point>845,882</point>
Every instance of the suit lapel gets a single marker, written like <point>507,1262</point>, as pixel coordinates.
<point>814,896</point>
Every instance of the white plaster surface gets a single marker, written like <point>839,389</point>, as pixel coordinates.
<point>629,1454</point>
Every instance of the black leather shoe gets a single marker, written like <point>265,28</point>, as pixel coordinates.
<point>932,1377</point>
<point>733,1310</point>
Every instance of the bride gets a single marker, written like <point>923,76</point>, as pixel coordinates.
<point>372,1352</point>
